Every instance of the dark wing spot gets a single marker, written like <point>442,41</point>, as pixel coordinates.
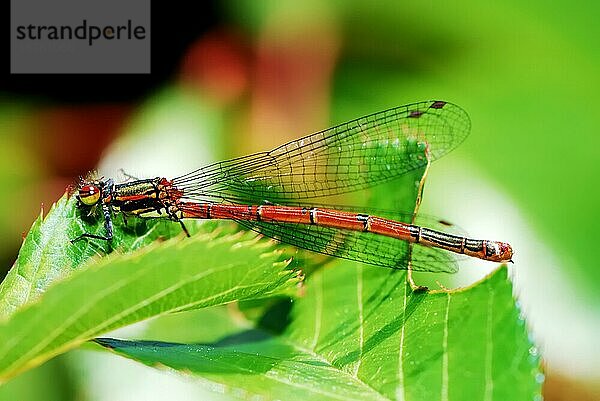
<point>416,114</point>
<point>437,104</point>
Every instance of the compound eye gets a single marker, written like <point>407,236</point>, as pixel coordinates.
<point>89,194</point>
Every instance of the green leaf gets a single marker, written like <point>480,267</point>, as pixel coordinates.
<point>47,255</point>
<point>270,369</point>
<point>120,289</point>
<point>361,333</point>
<point>394,344</point>
<point>416,345</point>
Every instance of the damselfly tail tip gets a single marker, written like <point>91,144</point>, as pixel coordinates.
<point>497,251</point>
<point>506,252</point>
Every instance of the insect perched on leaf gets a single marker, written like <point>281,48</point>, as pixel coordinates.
<point>276,193</point>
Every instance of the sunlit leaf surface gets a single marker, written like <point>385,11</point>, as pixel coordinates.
<point>361,333</point>
<point>358,335</point>
<point>121,289</point>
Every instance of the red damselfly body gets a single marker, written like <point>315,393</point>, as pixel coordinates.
<point>276,193</point>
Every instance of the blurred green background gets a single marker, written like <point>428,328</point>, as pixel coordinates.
<point>262,73</point>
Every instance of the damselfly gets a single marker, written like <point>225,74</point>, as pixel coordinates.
<point>271,192</point>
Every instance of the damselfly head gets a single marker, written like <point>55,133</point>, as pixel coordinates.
<point>89,194</point>
<point>89,190</point>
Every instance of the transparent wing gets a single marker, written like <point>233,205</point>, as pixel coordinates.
<point>348,157</point>
<point>357,245</point>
